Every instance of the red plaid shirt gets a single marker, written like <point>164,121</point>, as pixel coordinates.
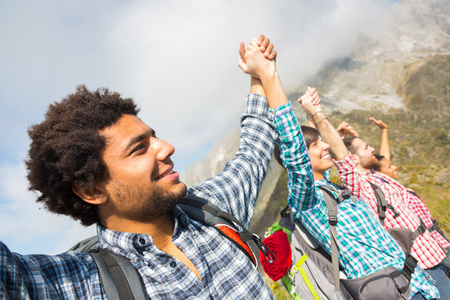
<point>421,209</point>
<point>425,248</point>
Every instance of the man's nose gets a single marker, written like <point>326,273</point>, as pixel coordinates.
<point>164,150</point>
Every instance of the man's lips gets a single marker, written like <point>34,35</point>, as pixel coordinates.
<point>168,174</point>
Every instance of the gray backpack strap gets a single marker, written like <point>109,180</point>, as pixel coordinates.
<point>433,227</point>
<point>381,202</point>
<point>419,231</point>
<point>334,252</point>
<point>331,202</point>
<point>88,245</point>
<point>120,280</point>
<point>204,211</point>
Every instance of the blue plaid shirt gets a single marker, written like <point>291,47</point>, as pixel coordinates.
<point>225,270</point>
<point>364,246</point>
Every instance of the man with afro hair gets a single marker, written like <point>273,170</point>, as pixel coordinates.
<point>94,160</point>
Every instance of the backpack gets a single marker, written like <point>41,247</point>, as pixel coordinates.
<point>122,281</point>
<point>314,274</point>
<point>404,237</point>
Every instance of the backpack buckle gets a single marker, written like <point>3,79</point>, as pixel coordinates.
<point>266,251</point>
<point>333,220</point>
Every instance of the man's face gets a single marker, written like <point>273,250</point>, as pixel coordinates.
<point>142,184</point>
<point>367,159</point>
<point>387,168</point>
<point>320,158</point>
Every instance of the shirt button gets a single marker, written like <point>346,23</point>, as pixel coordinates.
<point>142,241</point>
<point>173,264</point>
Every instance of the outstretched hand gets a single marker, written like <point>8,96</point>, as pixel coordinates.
<point>379,123</point>
<point>346,129</point>
<point>259,57</point>
<point>266,46</point>
<point>310,101</point>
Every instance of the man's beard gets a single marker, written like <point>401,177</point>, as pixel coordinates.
<point>157,204</point>
<point>372,163</point>
<point>160,203</point>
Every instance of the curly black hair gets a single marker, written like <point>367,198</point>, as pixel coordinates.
<point>67,147</point>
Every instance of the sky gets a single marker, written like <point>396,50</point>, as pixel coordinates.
<point>176,59</point>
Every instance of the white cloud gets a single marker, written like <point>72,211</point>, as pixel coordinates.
<point>24,223</point>
<point>177,59</point>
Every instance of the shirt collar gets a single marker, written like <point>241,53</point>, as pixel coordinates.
<point>132,242</point>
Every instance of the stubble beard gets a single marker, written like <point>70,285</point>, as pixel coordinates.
<point>160,202</point>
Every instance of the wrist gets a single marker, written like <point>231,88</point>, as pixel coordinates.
<point>316,112</point>
<point>318,116</point>
<point>256,87</point>
<point>269,74</point>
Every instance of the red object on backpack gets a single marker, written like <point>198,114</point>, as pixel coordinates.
<point>279,244</point>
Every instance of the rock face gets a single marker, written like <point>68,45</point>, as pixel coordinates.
<point>372,75</point>
<point>401,74</point>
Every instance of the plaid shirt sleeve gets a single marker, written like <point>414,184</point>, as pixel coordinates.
<point>66,276</point>
<point>236,188</point>
<point>294,154</point>
<point>352,179</point>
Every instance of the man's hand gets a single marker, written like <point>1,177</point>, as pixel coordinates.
<point>379,123</point>
<point>254,64</point>
<point>310,101</point>
<point>266,47</point>
<point>345,129</point>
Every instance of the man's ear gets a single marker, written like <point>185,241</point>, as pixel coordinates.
<point>357,159</point>
<point>93,196</point>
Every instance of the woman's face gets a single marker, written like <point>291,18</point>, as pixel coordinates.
<point>387,168</point>
<point>320,158</point>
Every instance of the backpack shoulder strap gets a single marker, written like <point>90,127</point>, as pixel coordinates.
<point>332,204</point>
<point>86,246</point>
<point>381,202</point>
<point>119,277</point>
<point>202,210</point>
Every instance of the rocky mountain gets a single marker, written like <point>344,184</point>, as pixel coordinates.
<point>400,74</point>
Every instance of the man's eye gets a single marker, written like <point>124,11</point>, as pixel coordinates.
<point>137,148</point>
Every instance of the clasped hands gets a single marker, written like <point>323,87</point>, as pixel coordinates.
<point>258,59</point>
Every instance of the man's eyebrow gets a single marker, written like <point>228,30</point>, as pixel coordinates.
<point>139,138</point>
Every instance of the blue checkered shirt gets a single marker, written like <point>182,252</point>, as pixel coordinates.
<point>225,270</point>
<point>364,246</point>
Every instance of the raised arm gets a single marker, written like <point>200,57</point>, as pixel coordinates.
<point>236,188</point>
<point>344,129</point>
<point>384,146</point>
<point>327,131</point>
<point>267,48</point>
<point>316,101</point>
<point>253,62</point>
